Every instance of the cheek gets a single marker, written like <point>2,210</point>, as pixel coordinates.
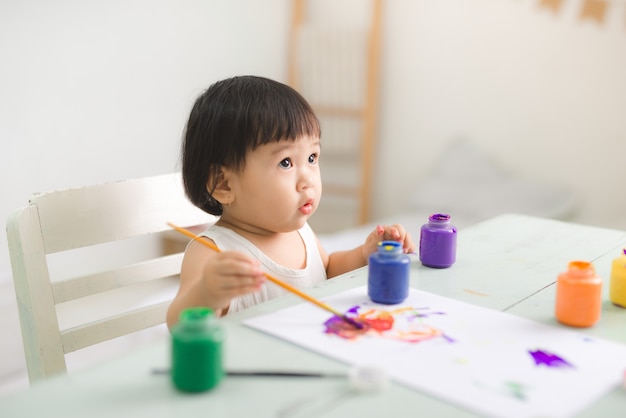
<point>318,179</point>
<point>264,188</point>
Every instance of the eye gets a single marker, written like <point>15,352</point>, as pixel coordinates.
<point>313,158</point>
<point>286,163</point>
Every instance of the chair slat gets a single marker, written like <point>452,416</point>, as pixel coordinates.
<point>75,288</point>
<point>70,218</point>
<point>109,328</point>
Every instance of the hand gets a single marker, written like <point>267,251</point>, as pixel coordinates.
<point>394,232</point>
<point>229,274</point>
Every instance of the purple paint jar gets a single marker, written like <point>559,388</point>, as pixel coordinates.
<point>388,274</point>
<point>438,242</point>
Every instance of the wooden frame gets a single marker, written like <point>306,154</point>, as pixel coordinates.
<point>365,113</point>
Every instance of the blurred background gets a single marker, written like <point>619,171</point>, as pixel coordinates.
<point>468,107</point>
<point>532,92</point>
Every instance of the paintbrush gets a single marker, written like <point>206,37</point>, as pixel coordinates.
<point>267,373</point>
<point>362,378</point>
<point>274,280</point>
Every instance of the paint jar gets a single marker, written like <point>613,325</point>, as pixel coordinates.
<point>438,242</point>
<point>578,295</point>
<point>617,288</point>
<point>197,350</point>
<point>388,274</point>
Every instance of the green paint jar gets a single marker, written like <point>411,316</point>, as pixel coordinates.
<point>197,351</point>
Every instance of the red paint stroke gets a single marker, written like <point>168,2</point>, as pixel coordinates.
<point>549,360</point>
<point>383,324</point>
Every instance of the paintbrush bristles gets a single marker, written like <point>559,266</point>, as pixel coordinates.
<point>273,279</point>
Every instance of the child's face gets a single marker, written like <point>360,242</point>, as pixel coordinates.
<point>279,188</point>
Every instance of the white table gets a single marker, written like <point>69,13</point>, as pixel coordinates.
<point>509,263</point>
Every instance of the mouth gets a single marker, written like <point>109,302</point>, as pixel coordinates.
<point>307,208</point>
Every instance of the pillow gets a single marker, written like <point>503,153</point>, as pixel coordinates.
<point>467,183</point>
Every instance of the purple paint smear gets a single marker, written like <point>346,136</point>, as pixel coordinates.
<point>549,359</point>
<point>417,314</point>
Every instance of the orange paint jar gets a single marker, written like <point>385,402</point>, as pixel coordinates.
<point>578,295</point>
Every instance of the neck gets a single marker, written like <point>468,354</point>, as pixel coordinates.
<point>285,248</point>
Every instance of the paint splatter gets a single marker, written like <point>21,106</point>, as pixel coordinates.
<point>507,388</point>
<point>516,390</point>
<point>418,312</point>
<point>548,359</point>
<point>399,324</point>
<point>475,292</point>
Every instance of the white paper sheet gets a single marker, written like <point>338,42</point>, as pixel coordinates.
<point>487,361</point>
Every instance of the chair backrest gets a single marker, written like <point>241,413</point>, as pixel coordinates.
<point>59,315</point>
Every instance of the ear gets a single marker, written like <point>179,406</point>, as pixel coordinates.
<point>221,191</point>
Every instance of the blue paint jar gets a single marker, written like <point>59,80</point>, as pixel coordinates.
<point>388,274</point>
<point>438,242</point>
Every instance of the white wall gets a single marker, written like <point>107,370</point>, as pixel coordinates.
<point>99,91</point>
<point>543,94</point>
<point>94,91</point>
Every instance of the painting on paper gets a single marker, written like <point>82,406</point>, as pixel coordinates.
<point>487,361</point>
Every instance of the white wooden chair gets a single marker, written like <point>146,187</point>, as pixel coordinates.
<point>109,230</point>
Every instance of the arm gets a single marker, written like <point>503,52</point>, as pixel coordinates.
<point>212,279</point>
<point>343,261</point>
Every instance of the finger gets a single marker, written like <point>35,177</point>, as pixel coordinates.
<point>242,288</point>
<point>237,281</point>
<point>239,264</point>
<point>392,233</point>
<point>409,245</point>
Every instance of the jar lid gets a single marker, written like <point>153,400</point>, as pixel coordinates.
<point>439,217</point>
<point>196,314</point>
<point>389,246</point>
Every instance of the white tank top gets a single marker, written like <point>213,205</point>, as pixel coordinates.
<point>313,274</point>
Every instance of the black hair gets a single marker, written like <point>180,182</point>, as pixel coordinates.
<point>234,116</point>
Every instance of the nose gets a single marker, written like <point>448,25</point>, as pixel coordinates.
<point>306,182</point>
